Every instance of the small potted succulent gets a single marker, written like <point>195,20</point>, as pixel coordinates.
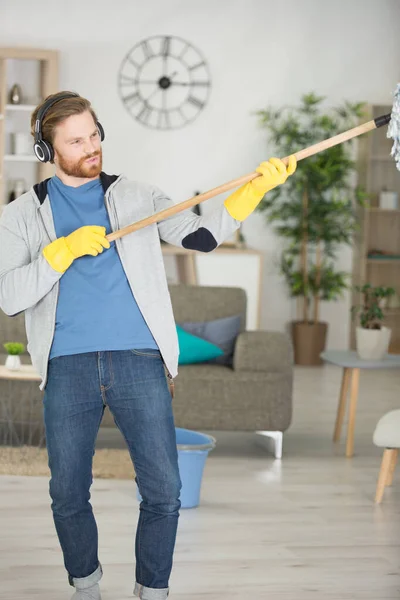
<point>372,337</point>
<point>14,349</point>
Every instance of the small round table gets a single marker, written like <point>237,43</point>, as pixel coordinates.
<point>351,364</point>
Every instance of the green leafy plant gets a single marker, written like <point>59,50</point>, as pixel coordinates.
<point>314,211</point>
<point>14,348</point>
<point>370,311</point>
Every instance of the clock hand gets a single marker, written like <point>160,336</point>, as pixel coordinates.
<point>165,60</point>
<point>191,83</point>
<point>154,93</point>
<point>164,77</point>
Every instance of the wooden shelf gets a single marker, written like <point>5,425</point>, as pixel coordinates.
<point>383,261</point>
<point>28,108</point>
<point>20,107</point>
<point>389,211</point>
<point>382,158</point>
<point>20,158</point>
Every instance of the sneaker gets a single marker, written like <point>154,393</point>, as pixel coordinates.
<point>91,593</point>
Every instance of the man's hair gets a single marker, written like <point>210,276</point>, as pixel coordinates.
<point>58,112</point>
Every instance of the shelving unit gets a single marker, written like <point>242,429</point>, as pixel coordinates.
<point>36,71</point>
<point>379,229</point>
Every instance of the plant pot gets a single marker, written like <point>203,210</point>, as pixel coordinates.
<point>372,344</point>
<point>309,341</point>
<point>13,362</point>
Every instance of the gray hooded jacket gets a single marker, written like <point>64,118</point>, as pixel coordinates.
<point>29,284</point>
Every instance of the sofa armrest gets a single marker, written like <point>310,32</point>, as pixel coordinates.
<point>263,351</point>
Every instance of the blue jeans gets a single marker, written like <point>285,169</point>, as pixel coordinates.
<point>133,384</point>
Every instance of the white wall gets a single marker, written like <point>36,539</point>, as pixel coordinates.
<point>260,52</point>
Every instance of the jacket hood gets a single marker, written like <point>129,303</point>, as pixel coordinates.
<point>40,189</point>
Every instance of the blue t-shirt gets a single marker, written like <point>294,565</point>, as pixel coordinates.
<point>96,309</point>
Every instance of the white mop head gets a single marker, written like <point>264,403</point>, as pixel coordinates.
<point>394,127</point>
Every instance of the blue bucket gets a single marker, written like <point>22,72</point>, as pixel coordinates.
<point>193,448</point>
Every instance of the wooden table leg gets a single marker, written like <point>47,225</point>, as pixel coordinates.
<point>186,267</point>
<point>384,473</point>
<point>393,463</point>
<point>342,403</point>
<point>355,378</point>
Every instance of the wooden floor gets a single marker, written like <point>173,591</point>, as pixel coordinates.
<point>305,527</point>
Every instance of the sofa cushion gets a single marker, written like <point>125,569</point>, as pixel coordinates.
<point>221,332</point>
<point>193,349</point>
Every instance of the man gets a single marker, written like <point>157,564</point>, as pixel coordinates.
<point>101,330</point>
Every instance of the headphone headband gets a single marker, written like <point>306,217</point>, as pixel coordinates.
<point>43,110</point>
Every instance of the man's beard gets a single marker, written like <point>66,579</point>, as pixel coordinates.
<point>81,168</point>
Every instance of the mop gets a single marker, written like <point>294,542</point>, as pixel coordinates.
<point>393,132</point>
<point>394,127</point>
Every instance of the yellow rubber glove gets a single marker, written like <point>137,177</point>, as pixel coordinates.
<point>89,239</point>
<point>243,202</point>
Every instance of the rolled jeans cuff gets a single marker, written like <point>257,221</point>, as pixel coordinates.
<point>146,593</point>
<point>83,583</point>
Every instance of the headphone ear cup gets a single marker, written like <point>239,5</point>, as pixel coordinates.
<point>101,131</point>
<point>50,151</point>
<point>43,151</point>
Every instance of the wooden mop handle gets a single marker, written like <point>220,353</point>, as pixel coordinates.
<point>305,153</point>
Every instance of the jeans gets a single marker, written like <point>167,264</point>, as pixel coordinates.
<point>133,384</point>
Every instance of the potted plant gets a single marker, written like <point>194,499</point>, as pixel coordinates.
<point>314,213</point>
<point>372,338</point>
<point>13,349</point>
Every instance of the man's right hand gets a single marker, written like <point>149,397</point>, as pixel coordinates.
<point>89,239</point>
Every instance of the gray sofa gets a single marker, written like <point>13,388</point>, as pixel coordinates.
<point>255,394</point>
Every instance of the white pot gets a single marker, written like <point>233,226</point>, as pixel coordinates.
<point>21,144</point>
<point>13,362</point>
<point>372,344</point>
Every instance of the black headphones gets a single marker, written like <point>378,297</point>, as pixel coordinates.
<point>43,150</point>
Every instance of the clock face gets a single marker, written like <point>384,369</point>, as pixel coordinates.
<point>164,82</point>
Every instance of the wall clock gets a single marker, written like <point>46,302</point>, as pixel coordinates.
<point>164,82</point>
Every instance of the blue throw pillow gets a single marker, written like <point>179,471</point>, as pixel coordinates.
<point>221,332</point>
<point>193,349</point>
